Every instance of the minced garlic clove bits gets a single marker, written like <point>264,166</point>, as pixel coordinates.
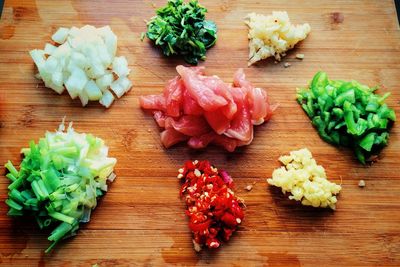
<point>273,35</point>
<point>305,180</point>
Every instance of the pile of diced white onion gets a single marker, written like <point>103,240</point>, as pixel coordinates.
<point>83,61</point>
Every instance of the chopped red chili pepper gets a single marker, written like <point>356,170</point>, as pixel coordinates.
<point>213,209</point>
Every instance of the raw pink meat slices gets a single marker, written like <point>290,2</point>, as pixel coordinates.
<point>204,110</point>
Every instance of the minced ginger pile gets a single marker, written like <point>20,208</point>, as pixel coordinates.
<point>305,180</point>
<point>273,35</point>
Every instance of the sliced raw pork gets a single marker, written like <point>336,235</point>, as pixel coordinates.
<point>204,110</point>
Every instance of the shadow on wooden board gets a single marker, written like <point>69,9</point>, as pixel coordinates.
<point>2,4</point>
<point>397,3</point>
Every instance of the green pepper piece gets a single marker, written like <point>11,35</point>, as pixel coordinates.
<point>335,137</point>
<point>372,106</point>
<point>338,113</point>
<point>348,96</point>
<point>386,113</point>
<point>359,154</point>
<point>362,126</point>
<point>368,141</point>
<point>349,119</point>
<point>319,82</point>
<point>320,125</point>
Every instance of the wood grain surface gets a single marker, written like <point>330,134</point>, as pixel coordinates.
<point>141,220</point>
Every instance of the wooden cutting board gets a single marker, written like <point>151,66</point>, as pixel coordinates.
<point>141,220</point>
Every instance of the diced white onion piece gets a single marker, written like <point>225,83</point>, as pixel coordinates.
<point>126,83</point>
<point>51,64</point>
<point>60,35</point>
<point>63,61</point>
<point>79,59</point>
<point>49,49</point>
<point>93,91</point>
<point>66,74</point>
<point>103,31</point>
<point>57,78</point>
<point>63,51</point>
<point>74,31</point>
<point>90,51</point>
<point>76,82</point>
<point>117,88</point>
<point>104,55</point>
<point>121,86</point>
<point>46,77</point>
<point>107,99</point>
<point>120,66</point>
<point>38,57</point>
<point>84,98</point>
<point>105,81</point>
<point>58,89</point>
<point>88,29</point>
<point>75,42</point>
<point>48,83</point>
<point>72,93</point>
<point>71,66</point>
<point>96,70</point>
<point>111,42</point>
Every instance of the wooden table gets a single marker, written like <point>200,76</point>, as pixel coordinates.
<point>141,220</point>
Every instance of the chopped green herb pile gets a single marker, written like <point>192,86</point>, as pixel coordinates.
<point>59,181</point>
<point>348,114</point>
<point>181,29</point>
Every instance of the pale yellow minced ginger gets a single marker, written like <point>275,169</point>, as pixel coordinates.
<point>305,180</point>
<point>273,35</point>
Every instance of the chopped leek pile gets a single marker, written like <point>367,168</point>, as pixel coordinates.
<point>59,181</point>
<point>348,114</point>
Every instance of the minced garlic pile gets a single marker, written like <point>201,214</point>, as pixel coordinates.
<point>305,180</point>
<point>273,35</point>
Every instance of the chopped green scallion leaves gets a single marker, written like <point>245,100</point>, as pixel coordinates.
<point>180,28</point>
